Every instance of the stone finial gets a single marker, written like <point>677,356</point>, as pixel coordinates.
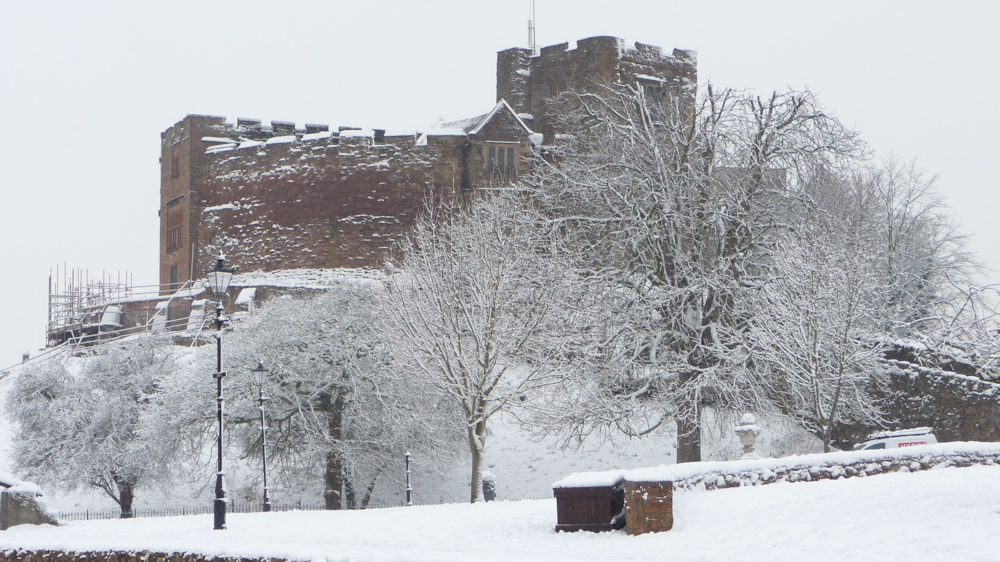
<point>747,431</point>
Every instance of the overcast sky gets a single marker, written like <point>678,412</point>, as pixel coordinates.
<point>87,87</point>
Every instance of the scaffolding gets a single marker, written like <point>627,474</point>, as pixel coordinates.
<point>84,311</point>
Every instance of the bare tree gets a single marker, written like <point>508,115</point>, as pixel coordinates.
<point>84,430</point>
<point>473,309</point>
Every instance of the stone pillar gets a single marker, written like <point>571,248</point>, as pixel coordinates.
<point>649,507</point>
<point>20,507</point>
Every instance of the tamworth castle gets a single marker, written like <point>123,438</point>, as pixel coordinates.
<point>281,196</point>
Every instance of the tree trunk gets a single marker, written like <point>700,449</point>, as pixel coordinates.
<point>477,434</point>
<point>689,430</point>
<point>688,441</point>
<point>368,492</point>
<point>125,496</point>
<point>333,478</point>
<point>349,495</point>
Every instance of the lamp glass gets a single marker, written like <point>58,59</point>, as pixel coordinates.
<point>220,276</point>
<point>259,374</point>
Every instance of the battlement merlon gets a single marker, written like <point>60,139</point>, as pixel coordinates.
<point>600,45</point>
<point>210,129</point>
<point>528,81</point>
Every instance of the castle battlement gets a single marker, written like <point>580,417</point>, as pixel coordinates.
<point>527,81</point>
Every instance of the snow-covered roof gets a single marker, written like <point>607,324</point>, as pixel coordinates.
<point>900,433</point>
<point>591,479</point>
<point>446,133</point>
<point>502,104</point>
<point>464,125</point>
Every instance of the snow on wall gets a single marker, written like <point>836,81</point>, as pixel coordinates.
<point>828,466</point>
<point>283,205</point>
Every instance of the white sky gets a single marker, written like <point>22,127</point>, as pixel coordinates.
<point>87,87</point>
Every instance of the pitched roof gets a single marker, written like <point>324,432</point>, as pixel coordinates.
<point>500,104</point>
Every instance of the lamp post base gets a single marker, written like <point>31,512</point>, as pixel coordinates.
<point>220,514</point>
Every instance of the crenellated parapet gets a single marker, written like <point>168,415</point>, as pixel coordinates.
<point>528,81</point>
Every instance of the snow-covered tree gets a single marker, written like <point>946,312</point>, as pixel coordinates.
<point>339,412</point>
<point>83,429</point>
<point>817,332</point>
<point>674,207</point>
<point>474,311</point>
<point>335,393</point>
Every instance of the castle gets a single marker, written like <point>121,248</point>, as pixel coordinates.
<point>283,197</point>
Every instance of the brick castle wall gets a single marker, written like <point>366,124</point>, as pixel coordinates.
<point>323,203</point>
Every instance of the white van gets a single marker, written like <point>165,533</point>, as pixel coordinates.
<point>897,439</point>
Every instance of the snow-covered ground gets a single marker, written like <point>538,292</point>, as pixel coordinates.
<point>949,514</point>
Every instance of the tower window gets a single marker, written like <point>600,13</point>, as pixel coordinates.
<point>175,227</point>
<point>175,163</point>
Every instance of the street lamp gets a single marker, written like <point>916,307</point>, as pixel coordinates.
<point>218,280</point>
<point>259,376</point>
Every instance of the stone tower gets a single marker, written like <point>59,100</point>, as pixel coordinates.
<point>527,81</point>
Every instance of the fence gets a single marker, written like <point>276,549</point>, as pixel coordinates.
<point>92,514</point>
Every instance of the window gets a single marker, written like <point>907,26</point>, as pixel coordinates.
<point>175,227</point>
<point>173,279</point>
<point>501,157</point>
<point>175,163</point>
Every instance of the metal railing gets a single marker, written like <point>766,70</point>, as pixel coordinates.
<point>92,514</point>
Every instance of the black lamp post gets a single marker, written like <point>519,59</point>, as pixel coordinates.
<point>218,280</point>
<point>259,377</point>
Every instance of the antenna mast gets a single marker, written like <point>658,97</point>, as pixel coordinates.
<point>531,28</point>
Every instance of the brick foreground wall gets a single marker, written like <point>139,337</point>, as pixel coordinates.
<point>649,507</point>
<point>116,556</point>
